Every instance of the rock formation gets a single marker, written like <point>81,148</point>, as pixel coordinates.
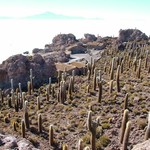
<point>142,146</point>
<point>131,35</point>
<point>17,67</point>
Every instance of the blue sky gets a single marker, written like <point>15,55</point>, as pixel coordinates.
<point>121,9</point>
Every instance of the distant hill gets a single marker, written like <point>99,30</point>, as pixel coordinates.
<point>50,15</point>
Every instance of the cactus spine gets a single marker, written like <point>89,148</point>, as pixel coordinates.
<point>126,135</point>
<point>147,133</point>
<point>123,126</point>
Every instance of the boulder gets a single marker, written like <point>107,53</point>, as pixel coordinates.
<point>63,39</point>
<point>76,49</point>
<point>17,67</point>
<point>142,146</point>
<point>131,35</point>
<point>90,37</point>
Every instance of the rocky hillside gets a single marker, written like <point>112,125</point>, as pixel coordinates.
<point>106,108</point>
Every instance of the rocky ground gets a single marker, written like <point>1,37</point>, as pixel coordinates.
<point>69,119</point>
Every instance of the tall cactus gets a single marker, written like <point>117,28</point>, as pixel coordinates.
<point>99,91</point>
<point>126,135</point>
<point>117,78</point>
<point>112,69</point>
<point>39,123</point>
<point>51,135</point>
<point>31,80</point>
<point>12,84</point>
<point>26,115</point>
<point>147,133</point>
<point>23,128</point>
<point>92,128</point>
<point>94,80</point>
<point>110,86</point>
<point>80,144</point>
<point>139,69</point>
<point>123,126</point>
<point>126,102</point>
<point>50,85</point>
<point>38,103</point>
<point>29,87</point>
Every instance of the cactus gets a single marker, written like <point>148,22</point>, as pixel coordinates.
<point>65,147</point>
<point>39,123</point>
<point>126,135</point>
<point>86,148</point>
<point>9,101</point>
<point>59,77</point>
<point>121,66</point>
<point>12,98</point>
<point>31,80</point>
<point>38,103</point>
<point>70,88</point>
<point>105,67</point>
<point>47,93</point>
<point>92,128</point>
<point>110,86</point>
<point>73,79</point>
<point>147,133</point>
<point>51,135</point>
<point>12,84</point>
<point>20,90</point>
<point>14,126</point>
<point>100,75</point>
<point>126,101</point>
<point>29,87</point>
<point>117,78</point>
<point>62,94</point>
<point>135,63</point>
<point>50,85</point>
<point>99,91</point>
<point>139,70</point>
<point>123,126</point>
<point>80,144</point>
<point>146,60</point>
<point>53,91</point>
<point>94,79</point>
<point>112,69</point>
<point>26,116</point>
<point>23,128</point>
<point>88,88</point>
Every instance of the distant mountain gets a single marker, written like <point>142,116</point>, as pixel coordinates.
<point>50,15</point>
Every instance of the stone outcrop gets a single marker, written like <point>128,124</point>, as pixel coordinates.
<point>17,67</point>
<point>10,142</point>
<point>76,49</point>
<point>131,35</point>
<point>142,146</point>
<point>90,37</point>
<point>64,39</point>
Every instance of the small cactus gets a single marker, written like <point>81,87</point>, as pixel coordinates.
<point>139,70</point>
<point>94,79</point>
<point>26,116</point>
<point>65,147</point>
<point>80,144</point>
<point>112,69</point>
<point>38,103</point>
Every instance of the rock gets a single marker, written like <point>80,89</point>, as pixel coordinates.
<point>63,39</point>
<point>142,146</point>
<point>90,37</point>
<point>17,67</point>
<point>131,35</point>
<point>37,50</point>
<point>76,49</point>
<point>25,145</point>
<point>10,142</point>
